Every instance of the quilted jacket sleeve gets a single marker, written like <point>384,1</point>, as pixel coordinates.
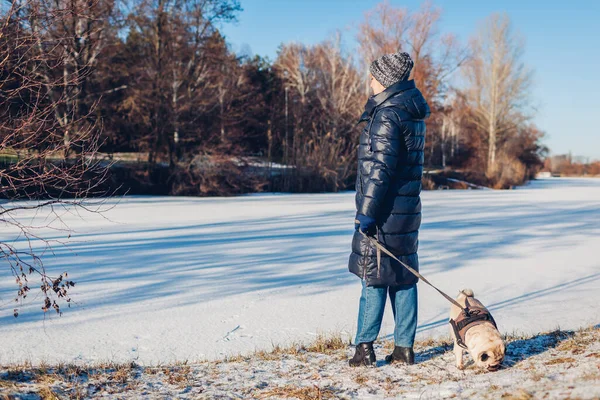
<point>384,145</point>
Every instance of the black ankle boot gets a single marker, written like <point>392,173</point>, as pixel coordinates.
<point>404,355</point>
<point>364,356</point>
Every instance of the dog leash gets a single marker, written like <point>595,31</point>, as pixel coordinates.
<point>381,247</point>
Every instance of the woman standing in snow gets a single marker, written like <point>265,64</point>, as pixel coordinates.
<point>388,185</point>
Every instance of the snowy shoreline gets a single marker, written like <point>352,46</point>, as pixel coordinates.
<point>552,365</point>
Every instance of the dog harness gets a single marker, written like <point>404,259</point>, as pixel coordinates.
<point>469,316</point>
<point>473,316</point>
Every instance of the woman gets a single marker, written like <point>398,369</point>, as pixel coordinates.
<point>388,185</point>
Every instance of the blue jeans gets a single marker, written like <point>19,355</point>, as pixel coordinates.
<point>372,305</point>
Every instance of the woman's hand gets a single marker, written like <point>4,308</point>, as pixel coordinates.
<point>365,224</point>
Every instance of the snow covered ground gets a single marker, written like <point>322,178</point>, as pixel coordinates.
<point>168,279</point>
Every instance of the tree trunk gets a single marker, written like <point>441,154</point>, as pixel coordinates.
<point>491,167</point>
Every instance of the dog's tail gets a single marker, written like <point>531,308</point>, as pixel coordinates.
<point>466,293</point>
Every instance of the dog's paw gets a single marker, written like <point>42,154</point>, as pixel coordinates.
<point>460,366</point>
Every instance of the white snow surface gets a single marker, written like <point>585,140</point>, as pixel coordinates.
<point>165,279</point>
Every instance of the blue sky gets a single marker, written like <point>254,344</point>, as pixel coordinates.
<point>562,47</point>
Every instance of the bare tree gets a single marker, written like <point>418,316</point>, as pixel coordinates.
<point>75,32</point>
<point>292,70</point>
<point>339,98</point>
<point>178,74</point>
<point>498,83</point>
<point>387,29</point>
<point>228,85</point>
<point>34,175</point>
<point>326,98</point>
<point>383,31</point>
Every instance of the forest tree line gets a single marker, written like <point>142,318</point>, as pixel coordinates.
<point>153,88</point>
<point>567,165</point>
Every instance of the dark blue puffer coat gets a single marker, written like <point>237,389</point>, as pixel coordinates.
<point>388,185</point>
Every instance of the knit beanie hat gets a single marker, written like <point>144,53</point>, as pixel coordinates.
<point>391,68</point>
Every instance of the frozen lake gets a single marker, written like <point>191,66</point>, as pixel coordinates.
<point>178,278</point>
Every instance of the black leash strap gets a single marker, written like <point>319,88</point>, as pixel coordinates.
<point>379,246</point>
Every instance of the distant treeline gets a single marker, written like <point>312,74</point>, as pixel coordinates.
<point>156,78</point>
<point>566,165</point>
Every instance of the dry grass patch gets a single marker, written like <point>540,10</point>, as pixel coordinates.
<point>46,393</point>
<point>179,376</point>
<point>324,344</point>
<point>519,394</point>
<point>235,358</point>
<point>296,392</point>
<point>422,344</point>
<point>361,378</point>
<point>391,385</point>
<point>579,341</point>
<point>434,342</point>
<point>327,344</point>
<point>560,360</point>
<point>122,375</point>
<point>71,379</point>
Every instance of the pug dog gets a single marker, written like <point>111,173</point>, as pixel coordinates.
<point>483,340</point>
